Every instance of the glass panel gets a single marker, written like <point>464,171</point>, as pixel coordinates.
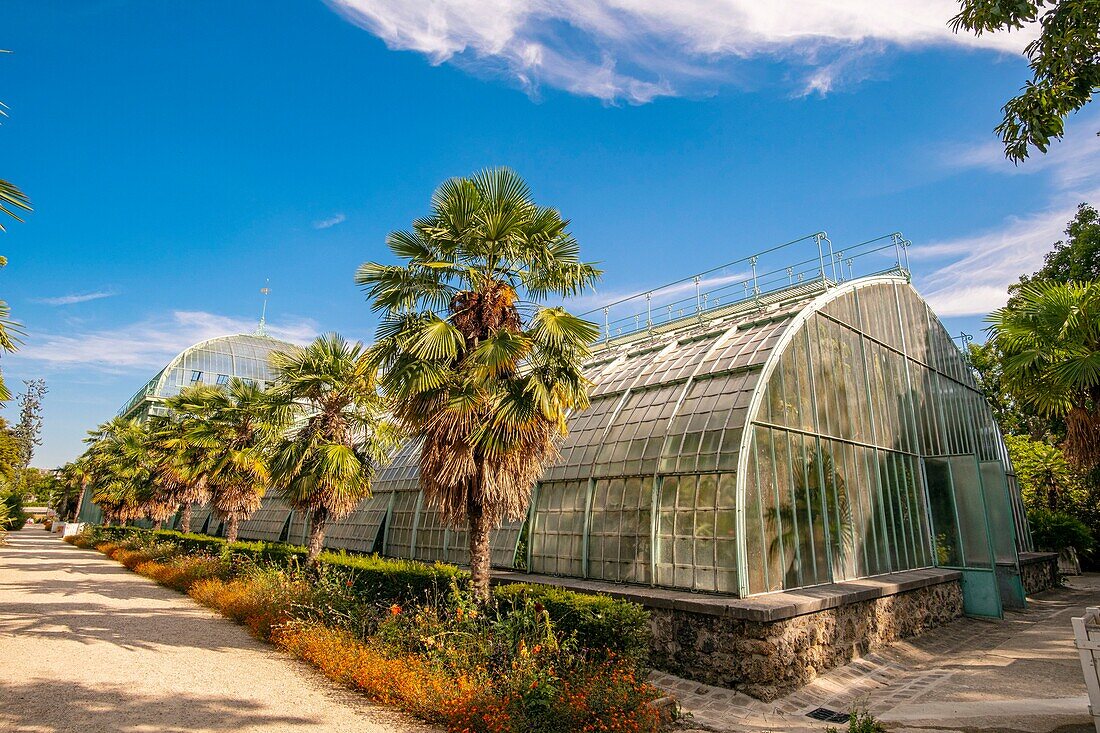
<point>557,538</point>
<point>971,508</point>
<point>619,538</point>
<point>1000,512</point>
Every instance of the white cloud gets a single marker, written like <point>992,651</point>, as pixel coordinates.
<point>637,50</point>
<point>147,344</point>
<point>74,298</point>
<point>330,221</point>
<point>977,283</point>
<point>1073,162</point>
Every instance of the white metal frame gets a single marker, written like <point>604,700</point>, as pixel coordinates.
<point>1086,632</point>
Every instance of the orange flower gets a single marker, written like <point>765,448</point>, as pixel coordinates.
<point>395,610</point>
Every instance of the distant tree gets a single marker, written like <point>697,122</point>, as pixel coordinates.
<point>1064,60</point>
<point>325,463</point>
<point>987,365</point>
<point>29,428</point>
<point>483,378</point>
<point>1050,342</point>
<point>1046,478</point>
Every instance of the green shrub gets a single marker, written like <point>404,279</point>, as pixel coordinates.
<point>598,621</point>
<point>16,517</point>
<point>860,721</point>
<point>1055,531</point>
<point>386,580</point>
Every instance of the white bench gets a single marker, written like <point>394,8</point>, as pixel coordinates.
<point>1086,632</point>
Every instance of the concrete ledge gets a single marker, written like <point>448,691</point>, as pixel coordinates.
<point>769,607</point>
<point>1030,558</point>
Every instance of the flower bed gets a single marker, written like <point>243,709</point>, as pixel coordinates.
<point>407,634</point>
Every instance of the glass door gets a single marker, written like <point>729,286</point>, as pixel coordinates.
<point>961,533</point>
<point>1003,534</point>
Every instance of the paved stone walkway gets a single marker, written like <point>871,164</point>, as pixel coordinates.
<point>88,646</point>
<point>1020,674</point>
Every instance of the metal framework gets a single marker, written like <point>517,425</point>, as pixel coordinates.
<point>775,423</point>
<point>771,432</point>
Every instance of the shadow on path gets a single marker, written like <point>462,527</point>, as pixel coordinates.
<point>47,706</point>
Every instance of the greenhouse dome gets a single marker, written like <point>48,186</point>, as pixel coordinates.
<point>789,428</point>
<point>211,362</point>
<point>214,361</point>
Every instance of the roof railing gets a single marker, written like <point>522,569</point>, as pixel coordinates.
<point>807,263</point>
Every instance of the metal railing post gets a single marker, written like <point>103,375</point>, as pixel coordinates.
<point>820,255</point>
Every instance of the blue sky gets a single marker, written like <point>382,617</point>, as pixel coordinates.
<point>180,154</point>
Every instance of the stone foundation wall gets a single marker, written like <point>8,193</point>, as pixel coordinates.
<point>1038,571</point>
<point>768,659</point>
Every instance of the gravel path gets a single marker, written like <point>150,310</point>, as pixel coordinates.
<point>86,645</point>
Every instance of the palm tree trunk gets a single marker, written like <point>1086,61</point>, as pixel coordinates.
<point>231,528</point>
<point>158,525</point>
<point>479,528</point>
<point>79,503</point>
<point>317,521</point>
<point>185,519</point>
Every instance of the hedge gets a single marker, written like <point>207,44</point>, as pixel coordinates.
<point>597,621</point>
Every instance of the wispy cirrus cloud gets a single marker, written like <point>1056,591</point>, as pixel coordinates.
<point>330,222</point>
<point>639,50</point>
<point>977,282</point>
<point>73,298</point>
<point>147,344</point>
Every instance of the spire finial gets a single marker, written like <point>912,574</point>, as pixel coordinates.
<point>261,329</point>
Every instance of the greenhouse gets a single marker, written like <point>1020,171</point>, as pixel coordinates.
<point>211,362</point>
<point>788,427</point>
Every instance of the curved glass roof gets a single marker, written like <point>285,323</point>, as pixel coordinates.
<point>214,361</point>
<point>818,433</point>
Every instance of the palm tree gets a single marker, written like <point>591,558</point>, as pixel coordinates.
<point>1050,338</point>
<point>228,431</point>
<point>483,379</point>
<point>325,463</point>
<point>77,475</point>
<point>12,199</point>
<point>118,477</point>
<point>178,475</point>
<point>10,329</point>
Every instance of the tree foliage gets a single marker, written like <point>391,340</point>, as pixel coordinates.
<point>1074,259</point>
<point>29,428</point>
<point>325,463</point>
<point>1046,478</point>
<point>228,431</point>
<point>479,371</point>
<point>1064,61</point>
<point>1050,342</point>
<point>10,333</point>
